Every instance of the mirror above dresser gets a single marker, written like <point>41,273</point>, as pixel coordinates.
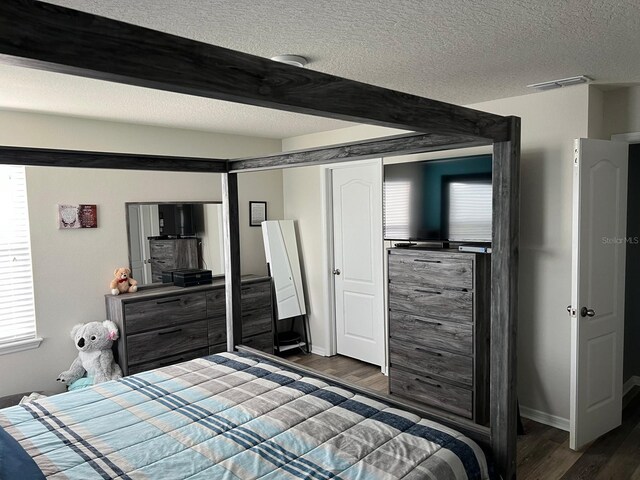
<point>165,236</point>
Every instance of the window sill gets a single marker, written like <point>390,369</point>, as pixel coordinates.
<point>19,346</point>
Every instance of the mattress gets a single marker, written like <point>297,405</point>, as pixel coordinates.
<point>227,416</point>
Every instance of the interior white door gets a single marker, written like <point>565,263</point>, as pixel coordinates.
<point>358,261</point>
<point>149,227</point>
<point>597,297</point>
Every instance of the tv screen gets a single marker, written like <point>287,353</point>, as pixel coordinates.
<point>439,200</point>
<point>180,219</point>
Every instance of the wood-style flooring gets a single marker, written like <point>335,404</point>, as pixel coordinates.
<point>543,452</point>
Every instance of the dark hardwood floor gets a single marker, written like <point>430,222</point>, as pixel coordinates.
<point>543,452</point>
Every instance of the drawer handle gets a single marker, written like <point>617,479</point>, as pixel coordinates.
<point>419,349</point>
<point>431,384</point>
<point>244,315</point>
<point>160,302</point>
<point>420,290</point>
<point>167,332</point>
<point>171,362</point>
<point>422,260</point>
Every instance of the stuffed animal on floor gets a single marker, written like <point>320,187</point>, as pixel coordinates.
<point>123,283</point>
<point>95,358</point>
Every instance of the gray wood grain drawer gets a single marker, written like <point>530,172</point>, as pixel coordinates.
<point>163,362</point>
<point>216,303</point>
<point>447,336</point>
<point>262,342</point>
<point>144,347</point>
<point>217,330</point>
<point>256,321</point>
<point>164,312</point>
<point>222,347</point>
<point>437,270</point>
<point>431,302</point>
<point>255,295</point>
<point>450,366</point>
<point>431,392</point>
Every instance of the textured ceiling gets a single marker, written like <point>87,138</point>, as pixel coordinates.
<point>460,51</point>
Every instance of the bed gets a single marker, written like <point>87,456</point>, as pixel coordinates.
<point>228,416</point>
<point>58,39</point>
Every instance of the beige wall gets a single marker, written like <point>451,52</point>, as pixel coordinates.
<point>72,269</point>
<point>550,122</point>
<point>621,111</point>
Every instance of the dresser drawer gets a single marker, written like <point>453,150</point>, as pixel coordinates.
<point>450,366</point>
<point>436,270</point>
<point>452,305</point>
<point>221,347</point>
<point>262,342</point>
<point>163,362</point>
<point>256,321</point>
<point>431,392</point>
<point>156,344</point>
<point>164,312</point>
<point>217,327</point>
<point>216,303</point>
<point>448,336</point>
<point>255,295</point>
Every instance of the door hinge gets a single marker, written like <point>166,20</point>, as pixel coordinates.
<point>571,311</point>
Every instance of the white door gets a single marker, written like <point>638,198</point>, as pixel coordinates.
<point>358,261</point>
<point>597,297</point>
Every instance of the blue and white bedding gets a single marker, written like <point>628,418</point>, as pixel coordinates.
<point>228,416</point>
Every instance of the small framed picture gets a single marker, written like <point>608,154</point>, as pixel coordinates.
<point>257,213</point>
<point>77,216</point>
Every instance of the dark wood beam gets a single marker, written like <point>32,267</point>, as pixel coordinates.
<point>45,157</point>
<point>395,145</point>
<point>231,233</point>
<point>58,39</point>
<point>504,300</point>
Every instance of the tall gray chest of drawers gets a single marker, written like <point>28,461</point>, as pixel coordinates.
<point>163,325</point>
<point>439,307</point>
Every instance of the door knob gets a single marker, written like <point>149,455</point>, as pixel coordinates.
<point>587,312</point>
<point>336,271</point>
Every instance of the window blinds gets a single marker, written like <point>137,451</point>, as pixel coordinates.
<point>17,312</point>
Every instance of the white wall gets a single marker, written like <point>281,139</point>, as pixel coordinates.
<point>621,111</point>
<point>550,122</point>
<point>72,269</point>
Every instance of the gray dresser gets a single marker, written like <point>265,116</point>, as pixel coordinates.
<point>439,329</point>
<point>172,254</point>
<point>164,325</point>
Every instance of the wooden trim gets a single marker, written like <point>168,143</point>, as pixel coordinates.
<point>46,157</point>
<point>58,39</point>
<point>474,431</point>
<point>391,146</point>
<point>232,258</point>
<point>504,300</point>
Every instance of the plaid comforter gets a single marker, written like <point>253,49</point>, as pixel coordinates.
<point>232,416</point>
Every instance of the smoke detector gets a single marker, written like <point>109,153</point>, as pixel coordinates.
<point>295,60</point>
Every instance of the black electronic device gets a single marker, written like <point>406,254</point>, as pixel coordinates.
<point>439,200</point>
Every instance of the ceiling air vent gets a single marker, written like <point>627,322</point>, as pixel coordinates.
<point>563,82</point>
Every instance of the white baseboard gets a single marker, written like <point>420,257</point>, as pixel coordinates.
<point>318,351</point>
<point>629,384</point>
<point>545,418</point>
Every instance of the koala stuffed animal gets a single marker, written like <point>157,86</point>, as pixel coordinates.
<point>95,358</point>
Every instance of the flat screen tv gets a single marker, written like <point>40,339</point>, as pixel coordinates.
<point>180,219</point>
<point>439,200</point>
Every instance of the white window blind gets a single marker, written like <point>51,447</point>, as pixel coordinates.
<point>397,198</point>
<point>470,211</point>
<point>17,312</point>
